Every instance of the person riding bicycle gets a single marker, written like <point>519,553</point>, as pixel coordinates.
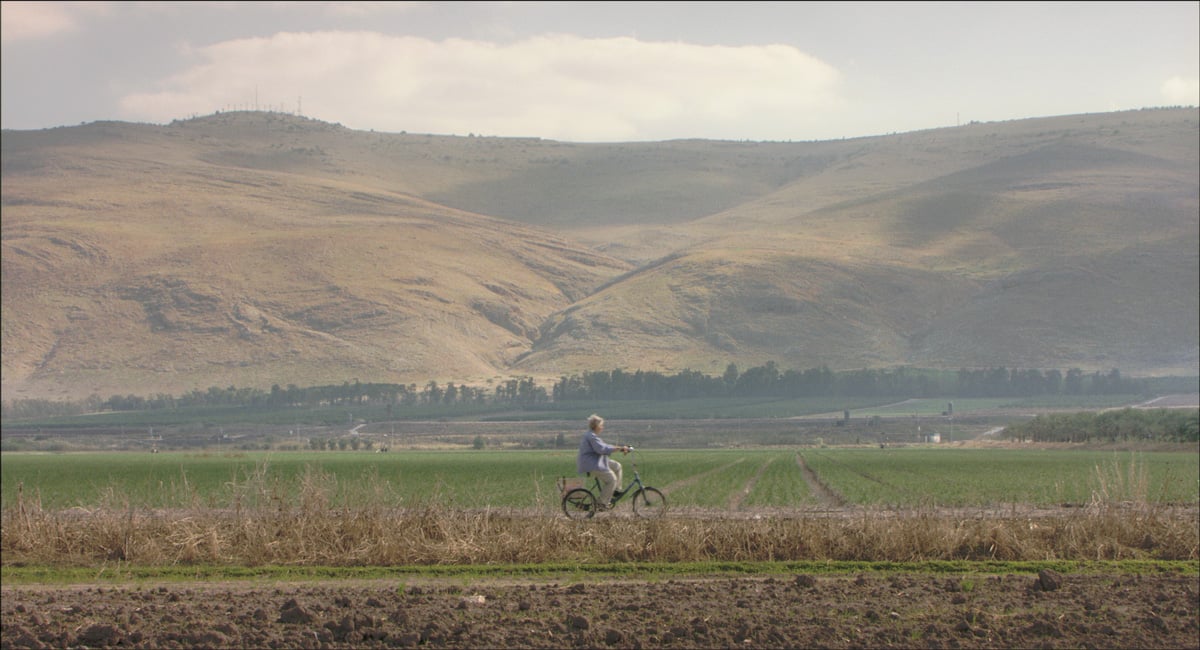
<point>594,458</point>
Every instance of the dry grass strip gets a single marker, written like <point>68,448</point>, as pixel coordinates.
<point>318,535</point>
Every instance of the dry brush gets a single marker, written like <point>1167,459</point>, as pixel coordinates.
<point>264,526</point>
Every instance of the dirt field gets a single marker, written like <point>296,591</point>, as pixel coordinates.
<point>871,610</point>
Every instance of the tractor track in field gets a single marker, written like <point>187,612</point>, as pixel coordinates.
<point>825,495</point>
<point>696,478</point>
<point>735,501</point>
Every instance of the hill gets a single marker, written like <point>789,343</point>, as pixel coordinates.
<point>253,249</point>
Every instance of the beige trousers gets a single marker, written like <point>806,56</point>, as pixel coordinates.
<point>609,480</point>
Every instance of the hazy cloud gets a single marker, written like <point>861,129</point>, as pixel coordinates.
<point>1180,91</point>
<point>600,71</point>
<point>355,8</point>
<point>556,86</point>
<point>33,20</point>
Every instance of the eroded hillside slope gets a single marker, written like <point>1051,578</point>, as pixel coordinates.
<point>251,249</point>
<point>1075,247</point>
<point>128,274</point>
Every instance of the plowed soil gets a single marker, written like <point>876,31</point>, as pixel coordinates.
<point>875,610</point>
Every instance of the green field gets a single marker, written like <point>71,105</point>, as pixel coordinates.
<point>980,477</point>
<point>723,479</point>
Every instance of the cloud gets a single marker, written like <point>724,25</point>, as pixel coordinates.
<point>21,21</point>
<point>555,86</point>
<point>1180,92</point>
<point>358,9</point>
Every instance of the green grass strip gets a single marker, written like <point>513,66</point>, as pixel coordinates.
<point>124,573</point>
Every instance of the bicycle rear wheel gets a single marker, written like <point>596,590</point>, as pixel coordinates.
<point>649,502</point>
<point>579,503</point>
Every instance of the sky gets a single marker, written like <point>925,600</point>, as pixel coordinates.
<point>597,71</point>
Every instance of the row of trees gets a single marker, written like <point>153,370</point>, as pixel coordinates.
<point>523,392</point>
<point>341,444</point>
<point>769,381</point>
<point>519,392</point>
<point>1125,425</point>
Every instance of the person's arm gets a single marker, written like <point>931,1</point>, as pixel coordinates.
<point>599,446</point>
<point>609,449</point>
<point>605,449</point>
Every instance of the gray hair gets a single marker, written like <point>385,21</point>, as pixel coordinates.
<point>594,421</point>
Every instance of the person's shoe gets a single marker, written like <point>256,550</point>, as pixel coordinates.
<point>617,494</point>
<point>600,507</point>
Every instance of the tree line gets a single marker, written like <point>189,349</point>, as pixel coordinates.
<point>766,380</point>
<point>520,392</point>
<point>1124,425</point>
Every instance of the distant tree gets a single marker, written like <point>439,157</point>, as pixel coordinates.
<point>1054,382</point>
<point>730,378</point>
<point>1073,383</point>
<point>433,393</point>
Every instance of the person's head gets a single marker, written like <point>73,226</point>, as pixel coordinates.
<point>595,422</point>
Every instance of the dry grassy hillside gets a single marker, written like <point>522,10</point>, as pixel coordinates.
<point>129,267</point>
<point>251,249</point>
<point>1059,242</point>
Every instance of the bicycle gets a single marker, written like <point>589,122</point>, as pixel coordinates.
<point>581,502</point>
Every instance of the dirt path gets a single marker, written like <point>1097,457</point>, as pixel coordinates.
<point>1172,402</point>
<point>825,495</point>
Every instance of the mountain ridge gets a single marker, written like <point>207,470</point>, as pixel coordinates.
<point>254,249</point>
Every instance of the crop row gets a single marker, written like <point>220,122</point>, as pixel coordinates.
<point>988,477</point>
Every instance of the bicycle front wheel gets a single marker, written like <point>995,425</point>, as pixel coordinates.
<point>579,503</point>
<point>649,502</point>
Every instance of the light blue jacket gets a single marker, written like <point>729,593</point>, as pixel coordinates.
<point>593,453</point>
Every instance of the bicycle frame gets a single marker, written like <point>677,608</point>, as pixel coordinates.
<point>637,480</point>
